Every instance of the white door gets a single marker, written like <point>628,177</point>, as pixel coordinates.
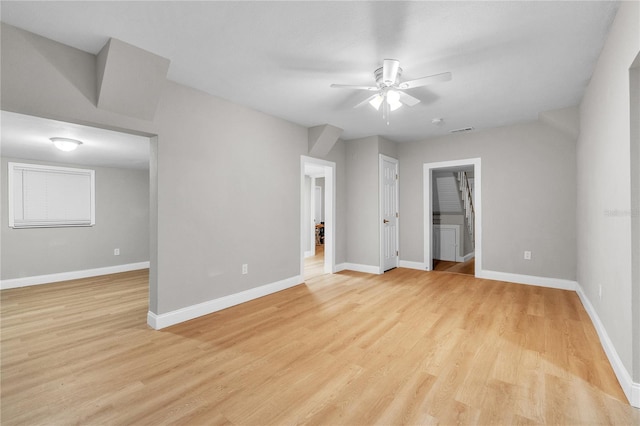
<point>445,242</point>
<point>389,212</point>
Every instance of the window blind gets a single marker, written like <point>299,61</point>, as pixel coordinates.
<point>49,196</point>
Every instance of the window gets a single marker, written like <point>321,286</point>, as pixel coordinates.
<point>49,196</point>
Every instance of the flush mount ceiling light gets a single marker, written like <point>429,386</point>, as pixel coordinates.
<point>65,144</point>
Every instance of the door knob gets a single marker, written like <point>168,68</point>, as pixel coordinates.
<point>385,221</point>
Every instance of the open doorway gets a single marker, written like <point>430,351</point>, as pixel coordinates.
<point>452,206</point>
<point>119,240</point>
<point>317,217</point>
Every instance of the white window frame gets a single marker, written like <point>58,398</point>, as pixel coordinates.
<point>15,197</point>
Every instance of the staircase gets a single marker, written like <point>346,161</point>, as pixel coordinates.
<point>467,203</point>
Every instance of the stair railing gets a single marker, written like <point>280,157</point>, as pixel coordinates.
<point>467,199</point>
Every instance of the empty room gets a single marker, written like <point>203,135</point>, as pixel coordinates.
<point>309,212</point>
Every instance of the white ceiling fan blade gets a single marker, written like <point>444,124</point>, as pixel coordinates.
<point>390,69</point>
<point>349,86</point>
<point>408,100</point>
<point>425,81</point>
<point>366,101</point>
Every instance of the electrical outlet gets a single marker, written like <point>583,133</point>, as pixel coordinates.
<point>245,269</point>
<point>527,255</point>
<point>116,252</point>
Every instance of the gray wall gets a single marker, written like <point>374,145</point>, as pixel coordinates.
<point>604,190</point>
<point>528,196</point>
<point>362,204</point>
<point>223,169</point>
<point>122,221</point>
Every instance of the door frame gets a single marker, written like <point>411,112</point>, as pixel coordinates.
<point>381,159</point>
<point>329,212</point>
<point>428,169</point>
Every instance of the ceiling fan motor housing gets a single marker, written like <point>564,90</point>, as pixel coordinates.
<point>379,75</point>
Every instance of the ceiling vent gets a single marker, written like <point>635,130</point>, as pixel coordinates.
<point>464,129</point>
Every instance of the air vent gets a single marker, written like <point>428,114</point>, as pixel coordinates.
<point>464,129</point>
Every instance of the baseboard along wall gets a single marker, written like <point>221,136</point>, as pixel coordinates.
<point>159,321</point>
<point>71,275</point>
<point>630,388</point>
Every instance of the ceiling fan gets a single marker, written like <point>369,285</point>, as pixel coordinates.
<point>389,90</point>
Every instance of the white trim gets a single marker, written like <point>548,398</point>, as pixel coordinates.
<point>558,283</point>
<point>631,389</point>
<point>381,159</point>
<point>329,213</point>
<point>413,265</point>
<point>72,275</point>
<point>310,253</point>
<point>159,321</point>
<point>428,208</point>
<point>367,269</point>
<point>468,256</point>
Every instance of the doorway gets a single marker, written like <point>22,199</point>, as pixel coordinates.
<point>452,216</point>
<point>317,217</point>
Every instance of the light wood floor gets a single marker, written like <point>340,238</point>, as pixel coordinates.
<point>314,265</point>
<point>406,347</point>
<point>468,267</point>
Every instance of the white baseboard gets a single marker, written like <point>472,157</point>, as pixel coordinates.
<point>159,321</point>
<point>367,269</point>
<point>528,279</point>
<point>309,253</point>
<point>72,275</point>
<point>631,389</point>
<point>469,256</point>
<point>413,265</point>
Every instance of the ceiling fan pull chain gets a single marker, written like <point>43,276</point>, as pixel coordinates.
<point>387,109</point>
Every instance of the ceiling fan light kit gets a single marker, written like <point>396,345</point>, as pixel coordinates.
<point>390,91</point>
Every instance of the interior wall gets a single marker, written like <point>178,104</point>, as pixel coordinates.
<point>122,221</point>
<point>362,205</point>
<point>528,196</point>
<point>604,177</point>
<point>210,161</point>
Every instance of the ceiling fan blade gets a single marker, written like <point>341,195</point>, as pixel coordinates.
<point>408,100</point>
<point>425,81</point>
<point>349,86</point>
<point>390,69</point>
<point>366,101</point>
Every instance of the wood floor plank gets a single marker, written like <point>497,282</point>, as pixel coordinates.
<point>405,347</point>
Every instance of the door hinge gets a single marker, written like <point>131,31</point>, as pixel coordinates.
<point>397,254</point>
<point>396,176</point>
<point>397,215</point>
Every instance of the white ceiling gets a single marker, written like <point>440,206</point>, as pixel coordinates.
<point>509,60</point>
<point>27,137</point>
